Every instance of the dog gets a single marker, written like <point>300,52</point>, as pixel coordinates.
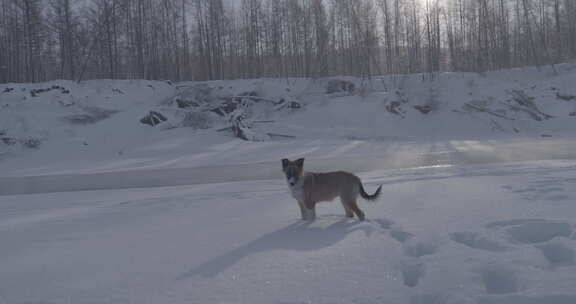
<point>310,188</point>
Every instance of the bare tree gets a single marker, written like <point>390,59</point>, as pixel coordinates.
<point>214,39</point>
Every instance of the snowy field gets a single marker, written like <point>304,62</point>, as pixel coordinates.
<point>471,234</point>
<point>478,204</point>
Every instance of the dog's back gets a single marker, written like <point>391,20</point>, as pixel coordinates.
<point>327,186</point>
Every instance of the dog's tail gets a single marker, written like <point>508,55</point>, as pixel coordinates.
<point>367,196</point>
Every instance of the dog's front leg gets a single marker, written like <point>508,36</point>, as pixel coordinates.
<point>302,210</point>
<point>310,211</point>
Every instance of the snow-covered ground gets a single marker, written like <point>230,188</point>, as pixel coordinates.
<point>479,175</point>
<point>95,126</point>
<point>473,234</point>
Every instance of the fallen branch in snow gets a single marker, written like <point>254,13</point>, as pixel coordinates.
<point>565,96</point>
<point>233,128</point>
<point>242,126</point>
<point>534,116</point>
<point>246,133</point>
<point>225,129</point>
<point>184,86</point>
<point>283,104</point>
<point>255,98</point>
<point>527,104</point>
<point>339,94</point>
<point>496,126</point>
<point>395,107</point>
<point>280,135</point>
<point>485,110</point>
<point>230,103</point>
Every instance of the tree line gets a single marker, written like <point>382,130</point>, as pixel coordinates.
<point>217,39</point>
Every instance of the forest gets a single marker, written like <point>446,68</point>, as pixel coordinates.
<point>42,40</point>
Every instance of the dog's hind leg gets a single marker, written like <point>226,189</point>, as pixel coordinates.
<point>347,208</point>
<point>357,210</point>
<point>311,213</point>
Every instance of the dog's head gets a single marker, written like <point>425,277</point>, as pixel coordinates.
<point>293,170</point>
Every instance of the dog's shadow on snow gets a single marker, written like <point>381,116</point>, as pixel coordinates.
<point>301,236</point>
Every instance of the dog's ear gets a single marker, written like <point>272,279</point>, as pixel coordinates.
<point>300,162</point>
<point>285,163</point>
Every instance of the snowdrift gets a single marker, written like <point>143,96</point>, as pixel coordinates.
<point>111,124</point>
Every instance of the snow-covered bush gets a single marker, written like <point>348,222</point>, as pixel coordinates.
<point>153,118</point>
<point>197,120</point>
<point>92,115</point>
<point>339,86</point>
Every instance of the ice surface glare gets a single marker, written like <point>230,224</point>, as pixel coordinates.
<point>436,155</point>
<point>475,145</point>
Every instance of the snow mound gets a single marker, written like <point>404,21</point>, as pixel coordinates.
<point>118,123</point>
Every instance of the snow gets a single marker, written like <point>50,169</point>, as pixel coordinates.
<point>477,205</point>
<point>96,127</point>
<point>500,233</point>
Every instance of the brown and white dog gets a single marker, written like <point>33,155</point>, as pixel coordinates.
<point>309,188</point>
